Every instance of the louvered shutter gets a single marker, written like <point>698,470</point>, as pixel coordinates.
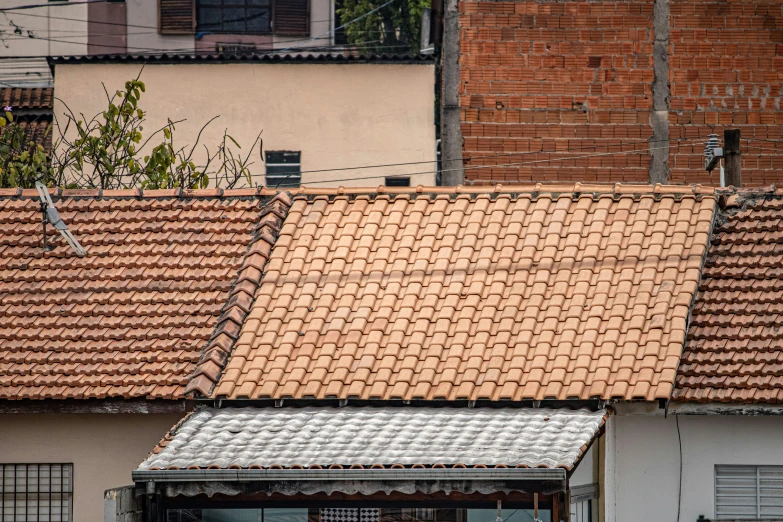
<point>177,16</point>
<point>749,492</point>
<point>292,17</point>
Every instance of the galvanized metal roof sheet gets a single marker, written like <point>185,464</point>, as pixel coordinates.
<point>314,437</point>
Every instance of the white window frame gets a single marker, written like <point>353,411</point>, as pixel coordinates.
<point>722,472</point>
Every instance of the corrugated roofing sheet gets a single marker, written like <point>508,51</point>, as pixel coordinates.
<point>314,437</point>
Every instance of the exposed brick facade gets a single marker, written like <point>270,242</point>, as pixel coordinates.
<point>726,71</point>
<point>545,80</point>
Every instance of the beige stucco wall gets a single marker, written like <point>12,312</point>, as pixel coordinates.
<point>338,115</point>
<point>104,449</point>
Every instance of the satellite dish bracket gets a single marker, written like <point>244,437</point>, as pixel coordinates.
<point>51,216</point>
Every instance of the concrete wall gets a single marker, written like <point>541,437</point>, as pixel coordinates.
<point>644,473</point>
<point>104,449</point>
<point>337,115</point>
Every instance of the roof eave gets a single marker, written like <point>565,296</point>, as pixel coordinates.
<point>269,475</point>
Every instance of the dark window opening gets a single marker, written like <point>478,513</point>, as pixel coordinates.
<point>397,181</point>
<point>340,38</point>
<point>283,169</point>
<point>36,492</point>
<point>234,16</point>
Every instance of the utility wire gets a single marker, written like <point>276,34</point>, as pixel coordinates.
<point>471,158</point>
<point>696,140</point>
<point>50,4</point>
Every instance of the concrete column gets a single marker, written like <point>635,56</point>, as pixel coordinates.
<point>452,172</point>
<point>659,116</point>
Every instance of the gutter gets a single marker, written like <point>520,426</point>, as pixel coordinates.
<point>264,475</point>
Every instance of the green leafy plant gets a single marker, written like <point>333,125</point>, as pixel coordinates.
<point>393,29</point>
<point>106,152</point>
<point>22,160</point>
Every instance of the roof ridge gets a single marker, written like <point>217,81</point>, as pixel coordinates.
<point>240,301</point>
<point>552,188</point>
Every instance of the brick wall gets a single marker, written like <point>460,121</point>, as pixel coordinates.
<point>551,79</point>
<point>726,71</point>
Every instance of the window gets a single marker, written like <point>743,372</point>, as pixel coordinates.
<point>36,492</point>
<point>584,507</point>
<point>397,181</point>
<point>234,16</point>
<point>748,492</point>
<point>283,169</point>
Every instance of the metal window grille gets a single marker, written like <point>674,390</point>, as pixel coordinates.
<point>397,181</point>
<point>748,492</point>
<point>36,492</point>
<point>234,16</point>
<point>283,169</point>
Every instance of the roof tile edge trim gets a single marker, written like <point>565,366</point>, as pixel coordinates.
<point>534,188</point>
<point>240,301</point>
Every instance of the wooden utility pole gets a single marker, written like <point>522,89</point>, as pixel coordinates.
<point>732,155</point>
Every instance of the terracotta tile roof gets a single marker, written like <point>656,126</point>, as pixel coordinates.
<point>533,292</point>
<point>21,98</point>
<point>377,438</point>
<point>734,351</point>
<point>131,318</point>
<point>39,130</point>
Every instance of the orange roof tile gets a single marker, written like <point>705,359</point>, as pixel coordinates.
<point>538,292</point>
<point>131,318</point>
<point>734,351</point>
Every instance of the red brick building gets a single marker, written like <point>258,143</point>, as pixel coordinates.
<point>542,81</point>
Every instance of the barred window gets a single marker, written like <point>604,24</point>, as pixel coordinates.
<point>283,169</point>
<point>36,492</point>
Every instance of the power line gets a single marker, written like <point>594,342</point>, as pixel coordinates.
<point>763,139</point>
<point>493,155</point>
<point>51,4</point>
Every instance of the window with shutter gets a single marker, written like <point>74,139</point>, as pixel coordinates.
<point>748,492</point>
<point>292,17</point>
<point>176,16</point>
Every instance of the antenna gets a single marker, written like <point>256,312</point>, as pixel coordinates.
<point>49,214</point>
<point>712,152</point>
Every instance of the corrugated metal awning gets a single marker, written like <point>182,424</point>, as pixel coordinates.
<point>232,442</point>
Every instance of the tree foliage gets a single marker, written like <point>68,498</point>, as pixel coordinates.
<point>106,152</point>
<point>393,29</point>
<point>22,161</point>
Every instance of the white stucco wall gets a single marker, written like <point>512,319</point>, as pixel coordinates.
<point>644,478</point>
<point>103,448</point>
<point>337,115</point>
<point>585,471</point>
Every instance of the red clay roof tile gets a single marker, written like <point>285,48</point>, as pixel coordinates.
<point>404,297</point>
<point>132,317</point>
<point>734,351</point>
